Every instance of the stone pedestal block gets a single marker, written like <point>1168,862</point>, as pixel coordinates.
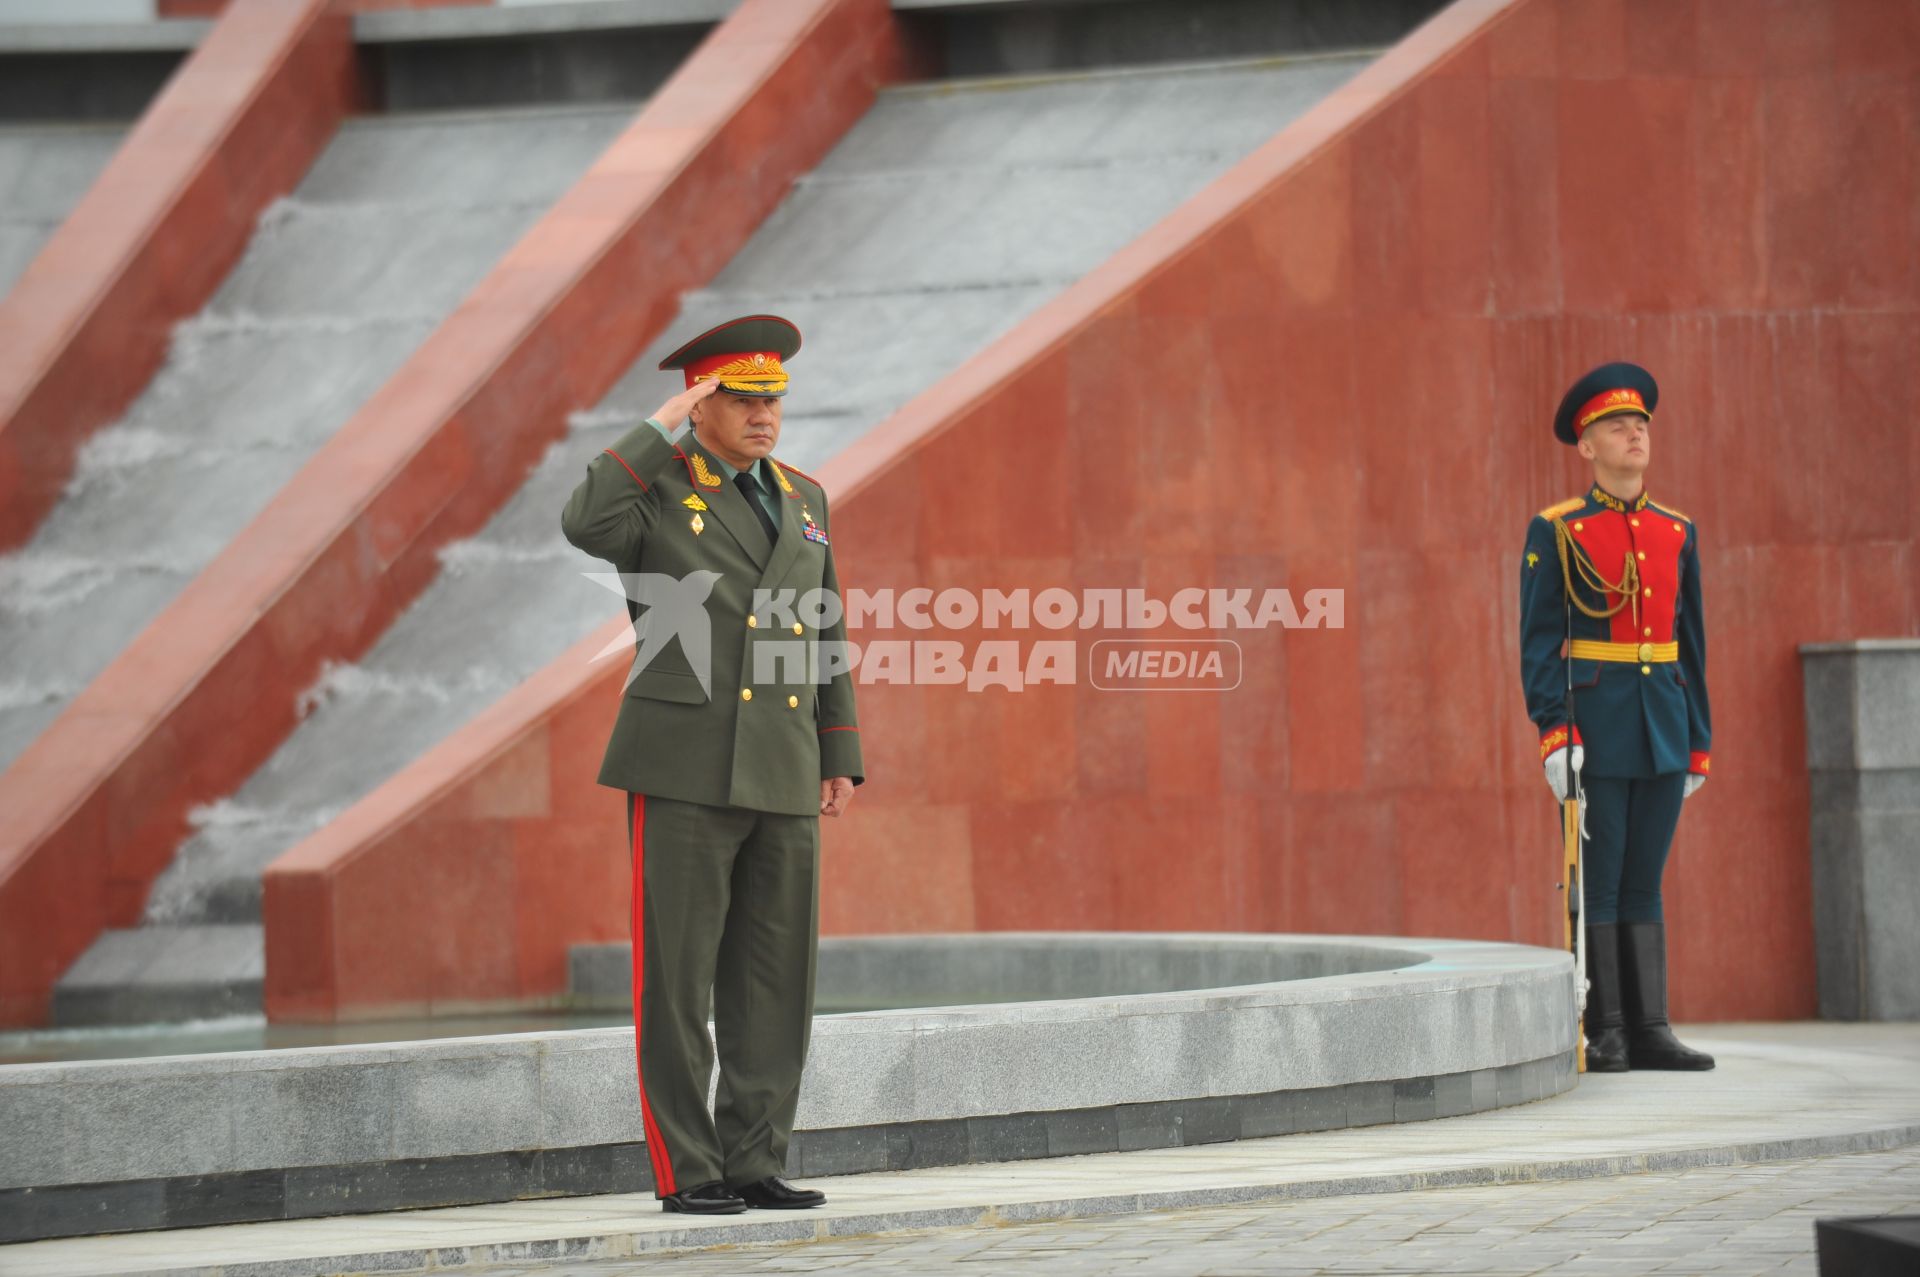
<point>1863,759</point>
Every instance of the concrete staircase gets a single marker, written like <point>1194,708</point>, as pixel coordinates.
<point>398,219</point>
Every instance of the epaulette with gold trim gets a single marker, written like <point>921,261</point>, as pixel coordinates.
<point>1667,509</point>
<point>1565,507</point>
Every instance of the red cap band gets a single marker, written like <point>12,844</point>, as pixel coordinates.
<point>1612,403</point>
<point>753,371</point>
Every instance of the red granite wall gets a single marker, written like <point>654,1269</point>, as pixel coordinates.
<point>1339,371</point>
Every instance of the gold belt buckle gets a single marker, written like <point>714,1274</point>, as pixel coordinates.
<point>1646,653</point>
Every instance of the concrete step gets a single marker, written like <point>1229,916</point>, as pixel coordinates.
<point>44,170</point>
<point>151,974</point>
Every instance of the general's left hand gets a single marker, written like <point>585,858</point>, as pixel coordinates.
<point>835,795</point>
<point>1694,781</point>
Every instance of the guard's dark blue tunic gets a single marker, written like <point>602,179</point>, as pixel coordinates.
<point>1638,655</point>
<point>1639,675</point>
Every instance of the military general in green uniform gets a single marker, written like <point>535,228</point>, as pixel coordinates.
<point>730,744</point>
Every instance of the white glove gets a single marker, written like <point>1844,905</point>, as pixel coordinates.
<point>1694,781</point>
<point>1556,768</point>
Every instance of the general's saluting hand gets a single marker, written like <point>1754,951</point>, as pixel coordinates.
<point>835,794</point>
<point>675,410</point>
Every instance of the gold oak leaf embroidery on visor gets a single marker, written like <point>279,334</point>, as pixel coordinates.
<point>759,371</point>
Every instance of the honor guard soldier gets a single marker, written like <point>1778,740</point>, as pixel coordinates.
<point>1613,655</point>
<point>726,777</point>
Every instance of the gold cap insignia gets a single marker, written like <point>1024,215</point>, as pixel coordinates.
<point>759,373</point>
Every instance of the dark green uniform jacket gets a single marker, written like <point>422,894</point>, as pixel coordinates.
<point>672,509</point>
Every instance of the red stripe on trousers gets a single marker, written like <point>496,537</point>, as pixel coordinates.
<point>656,1149</point>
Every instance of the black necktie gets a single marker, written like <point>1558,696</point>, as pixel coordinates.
<point>750,489</point>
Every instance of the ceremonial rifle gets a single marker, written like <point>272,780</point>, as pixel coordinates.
<point>1573,881</point>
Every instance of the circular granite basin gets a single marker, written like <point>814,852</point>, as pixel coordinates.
<point>895,972</point>
<point>1245,1035</point>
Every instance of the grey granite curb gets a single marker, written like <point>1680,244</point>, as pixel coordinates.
<point>776,1231</point>
<point>320,1191</point>
<point>1369,1031</point>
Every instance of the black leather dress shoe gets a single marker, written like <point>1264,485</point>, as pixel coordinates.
<point>703,1199</point>
<point>774,1193</point>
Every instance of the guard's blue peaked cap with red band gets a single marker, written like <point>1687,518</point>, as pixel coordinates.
<point>1607,391</point>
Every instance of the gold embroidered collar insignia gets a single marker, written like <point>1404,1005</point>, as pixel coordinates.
<point>1612,502</point>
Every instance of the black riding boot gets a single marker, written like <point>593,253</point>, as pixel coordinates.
<point>1650,1040</point>
<point>1606,1025</point>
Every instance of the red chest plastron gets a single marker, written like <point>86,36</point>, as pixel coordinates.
<point>1654,540</point>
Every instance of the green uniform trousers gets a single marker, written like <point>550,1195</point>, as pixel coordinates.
<point>726,908</point>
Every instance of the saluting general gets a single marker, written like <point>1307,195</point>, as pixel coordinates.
<point>1613,655</point>
<point>728,760</point>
